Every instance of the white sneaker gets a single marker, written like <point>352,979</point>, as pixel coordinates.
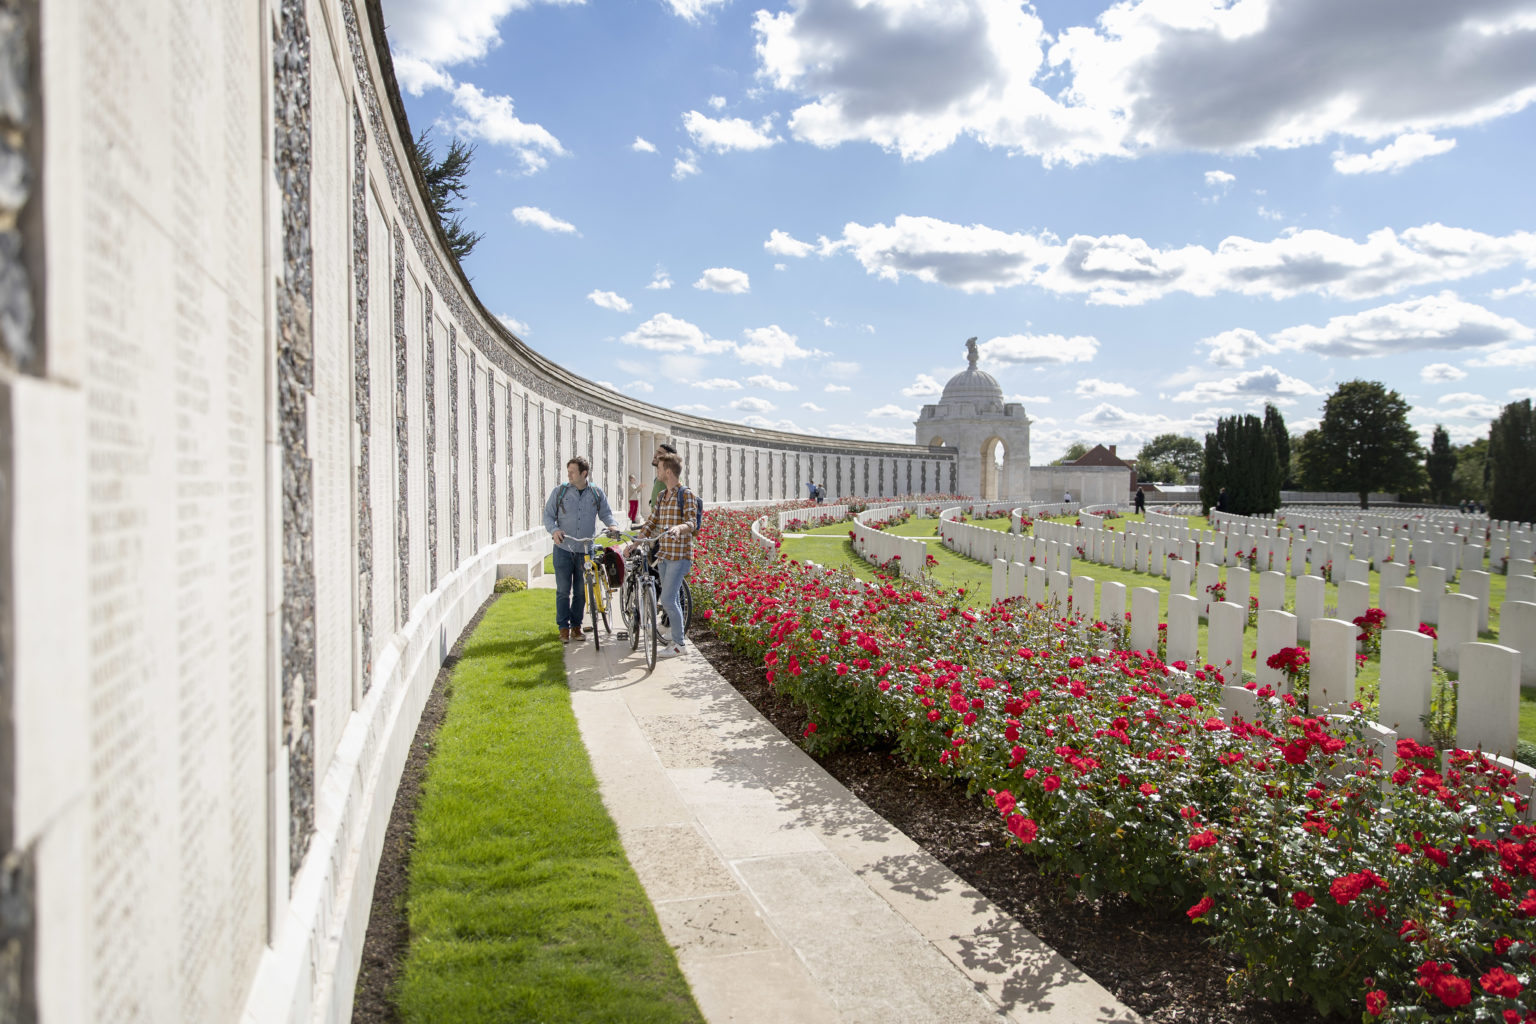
<point>672,650</point>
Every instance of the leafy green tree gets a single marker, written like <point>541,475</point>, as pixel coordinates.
<point>1240,456</point>
<point>1512,461</point>
<point>1472,472</point>
<point>445,184</point>
<point>1075,451</point>
<point>1170,457</point>
<point>1440,466</point>
<point>1364,442</point>
<point>1274,426</point>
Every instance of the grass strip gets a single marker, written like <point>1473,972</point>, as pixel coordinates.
<point>522,905</point>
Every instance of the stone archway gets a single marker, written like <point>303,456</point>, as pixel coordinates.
<point>994,450</point>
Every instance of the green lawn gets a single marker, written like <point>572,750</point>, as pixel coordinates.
<point>522,905</point>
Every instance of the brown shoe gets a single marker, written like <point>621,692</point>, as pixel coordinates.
<point>565,635</point>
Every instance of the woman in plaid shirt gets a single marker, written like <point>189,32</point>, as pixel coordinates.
<point>672,520</point>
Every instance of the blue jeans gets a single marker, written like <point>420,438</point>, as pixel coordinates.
<point>672,573</point>
<point>568,577</point>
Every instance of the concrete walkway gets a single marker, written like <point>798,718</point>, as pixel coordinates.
<point>786,898</point>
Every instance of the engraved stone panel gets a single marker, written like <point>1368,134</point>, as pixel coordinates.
<point>381,424</point>
<point>416,440</point>
<point>362,404</point>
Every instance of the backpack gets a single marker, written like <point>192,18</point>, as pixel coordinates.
<point>698,516</point>
<point>560,498</point>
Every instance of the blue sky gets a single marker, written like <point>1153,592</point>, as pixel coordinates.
<point>1150,214</point>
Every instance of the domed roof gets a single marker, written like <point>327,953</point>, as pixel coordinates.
<point>971,384</point>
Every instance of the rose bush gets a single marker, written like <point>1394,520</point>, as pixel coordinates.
<point>1367,881</point>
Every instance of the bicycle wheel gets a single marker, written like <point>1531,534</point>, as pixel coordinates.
<point>629,607</point>
<point>685,598</point>
<point>592,609</point>
<point>648,623</point>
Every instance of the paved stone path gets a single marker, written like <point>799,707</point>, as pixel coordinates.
<point>786,898</point>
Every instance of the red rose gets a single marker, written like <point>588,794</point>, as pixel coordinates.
<point>1375,1002</point>
<point>1200,909</point>
<point>1303,900</point>
<point>1200,840</point>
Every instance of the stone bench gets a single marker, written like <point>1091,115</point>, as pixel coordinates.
<point>522,555</point>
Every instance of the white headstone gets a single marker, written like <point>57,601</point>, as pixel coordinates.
<point>1225,639</point>
<point>1082,598</point>
<point>1179,573</point>
<point>999,579</point>
<point>1277,630</point>
<point>1183,628</point>
<point>1458,626</point>
<point>1271,590</point>
<point>1332,666</point>
<point>1517,629</point>
<point>1488,698</point>
<point>1402,607</point>
<point>1112,603</point>
<point>1407,662</point>
<point>1478,584</point>
<point>1394,574</point>
<point>1354,599</point>
<point>1431,590</point>
<point>1018,580</point>
<point>1309,604</point>
<point>1144,608</point>
<point>1239,586</point>
<point>1207,576</point>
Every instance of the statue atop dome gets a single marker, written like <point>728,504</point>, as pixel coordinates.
<point>970,352</point>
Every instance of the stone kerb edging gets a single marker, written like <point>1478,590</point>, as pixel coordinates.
<point>879,547</point>
<point>767,543</point>
<point>815,515</point>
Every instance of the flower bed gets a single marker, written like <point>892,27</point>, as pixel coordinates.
<point>1403,891</point>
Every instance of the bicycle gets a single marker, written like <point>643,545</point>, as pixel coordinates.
<point>595,580</point>
<point>638,599</point>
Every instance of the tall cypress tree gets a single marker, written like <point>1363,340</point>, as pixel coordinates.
<point>1440,466</point>
<point>1512,461</point>
<point>1240,456</point>
<point>1280,438</point>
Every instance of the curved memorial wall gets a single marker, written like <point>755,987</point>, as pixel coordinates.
<point>261,449</point>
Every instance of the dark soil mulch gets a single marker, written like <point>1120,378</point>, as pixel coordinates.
<point>388,938</point>
<point>1153,961</point>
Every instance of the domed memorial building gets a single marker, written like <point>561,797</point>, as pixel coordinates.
<point>990,435</point>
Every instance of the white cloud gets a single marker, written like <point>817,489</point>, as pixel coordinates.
<point>641,386</point>
<point>660,281</point>
<point>781,243</point>
<point>1484,410</point>
<point>514,325</point>
<point>718,384</point>
<point>1254,385</point>
<point>1460,398</point>
<point>1519,393</point>
<point>416,76</point>
<point>763,380</point>
<point>1435,322</point>
<point>1441,372</point>
<point>724,280</point>
<point>610,385</point>
<point>1508,357</point>
<point>490,119</point>
<point>771,346</point>
<point>924,385</point>
<point>692,10</point>
<point>845,369</point>
<point>667,333</point>
<point>892,410</point>
<point>1405,150</point>
<point>447,32</point>
<point>640,145</point>
<point>717,102</point>
<point>1092,387</point>
<point>610,300</point>
<point>1030,400</point>
<point>753,404</point>
<point>780,266</point>
<point>1219,179</point>
<point>686,165</point>
<point>870,432</point>
<point>812,406</point>
<point>1236,347</point>
<point>1525,287</point>
<point>1121,270</point>
<point>1014,349</point>
<point>836,387</point>
<point>764,423</point>
<point>544,220</point>
<point>722,135</point>
<point>691,408</point>
<point>1148,76</point>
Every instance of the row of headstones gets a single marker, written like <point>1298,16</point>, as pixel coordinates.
<point>1449,545</point>
<point>1490,674</point>
<point>879,547</point>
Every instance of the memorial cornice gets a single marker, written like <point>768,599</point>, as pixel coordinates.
<point>500,346</point>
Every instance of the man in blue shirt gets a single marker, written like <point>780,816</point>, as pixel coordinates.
<point>573,510</point>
